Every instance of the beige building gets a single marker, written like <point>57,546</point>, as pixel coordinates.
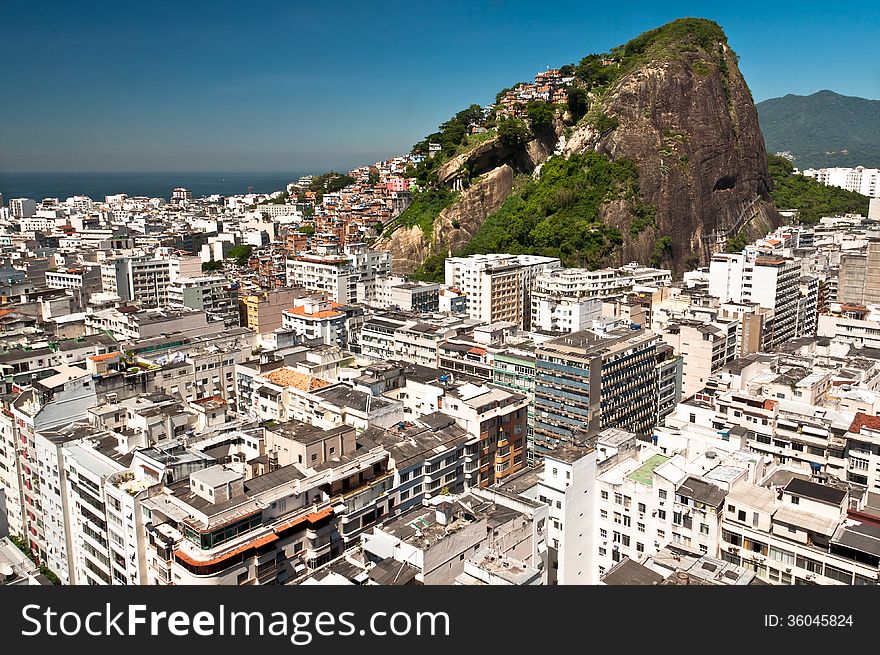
<point>262,312</point>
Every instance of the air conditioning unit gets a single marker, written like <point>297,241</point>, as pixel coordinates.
<point>788,569</point>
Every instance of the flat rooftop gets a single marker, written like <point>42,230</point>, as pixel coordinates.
<point>644,474</point>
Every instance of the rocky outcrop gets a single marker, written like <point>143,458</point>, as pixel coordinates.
<point>691,128</point>
<point>682,113</point>
<point>454,227</point>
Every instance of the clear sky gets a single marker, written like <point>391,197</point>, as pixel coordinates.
<point>215,85</point>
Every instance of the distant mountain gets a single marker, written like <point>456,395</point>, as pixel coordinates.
<point>822,130</point>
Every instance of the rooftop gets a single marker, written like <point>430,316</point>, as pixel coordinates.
<point>819,492</point>
<point>644,474</point>
<point>287,377</point>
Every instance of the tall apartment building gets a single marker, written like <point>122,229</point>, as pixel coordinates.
<point>514,368</point>
<point>337,274</point>
<point>499,419</point>
<point>703,347</point>
<point>497,286</point>
<point>859,278</point>
<point>567,485</point>
<point>140,280</point>
<point>859,179</point>
<point>586,382</point>
<point>213,294</point>
<point>22,207</point>
<point>262,311</point>
<point>51,402</point>
<point>770,281</point>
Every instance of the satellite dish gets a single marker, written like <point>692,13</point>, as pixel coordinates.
<point>6,569</point>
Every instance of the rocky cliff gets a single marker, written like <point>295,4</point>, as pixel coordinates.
<point>454,227</point>
<point>691,127</point>
<point>674,103</point>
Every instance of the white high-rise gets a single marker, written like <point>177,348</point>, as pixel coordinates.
<point>497,286</point>
<point>859,179</point>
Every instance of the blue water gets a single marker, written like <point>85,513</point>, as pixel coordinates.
<point>153,185</point>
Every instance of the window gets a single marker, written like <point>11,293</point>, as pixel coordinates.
<point>626,540</point>
<point>741,516</point>
<point>558,505</point>
<point>555,472</point>
<point>784,556</point>
<point>616,538</point>
<point>662,494</point>
<point>627,522</point>
<point>603,533</point>
<point>602,552</point>
<point>661,514</point>
<point>840,575</point>
<point>604,495</point>
<point>642,508</point>
<point>795,500</point>
<point>640,527</point>
<point>731,537</point>
<point>617,517</point>
<point>661,534</point>
<point>704,528</point>
<point>755,519</point>
<point>640,547</point>
<point>704,549</point>
<point>811,565</point>
<point>618,499</point>
<point>603,513</point>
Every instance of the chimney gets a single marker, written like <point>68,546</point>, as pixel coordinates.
<point>682,578</point>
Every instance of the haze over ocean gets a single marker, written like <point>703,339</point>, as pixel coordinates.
<point>62,185</point>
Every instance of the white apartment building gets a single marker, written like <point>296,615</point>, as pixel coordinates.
<point>859,179</point>
<point>22,207</point>
<point>331,274</point>
<point>792,530</point>
<point>337,274</point>
<point>770,281</point>
<point>10,475</point>
<point>213,294</point>
<point>859,327</point>
<point>141,280</point>
<point>316,319</point>
<point>559,314</point>
<point>568,486</point>
<point>498,286</point>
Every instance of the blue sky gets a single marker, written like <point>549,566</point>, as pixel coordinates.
<point>266,86</point>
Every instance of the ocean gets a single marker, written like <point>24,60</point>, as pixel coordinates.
<point>154,185</point>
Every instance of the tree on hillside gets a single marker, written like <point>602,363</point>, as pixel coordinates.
<point>241,254</point>
<point>512,132</point>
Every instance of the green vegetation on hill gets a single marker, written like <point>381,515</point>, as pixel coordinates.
<point>597,72</point>
<point>811,199</point>
<point>558,215</point>
<point>425,208</point>
<point>453,132</point>
<point>330,182</point>
<point>241,254</point>
<point>824,129</point>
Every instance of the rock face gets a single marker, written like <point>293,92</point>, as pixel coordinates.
<point>454,227</point>
<point>691,127</point>
<point>684,116</point>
